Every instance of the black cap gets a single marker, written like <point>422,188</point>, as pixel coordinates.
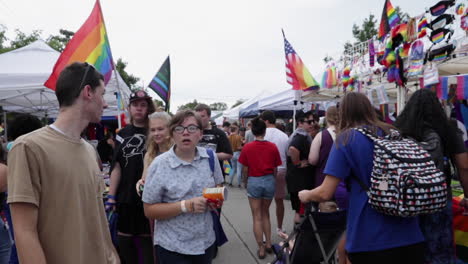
<point>139,95</point>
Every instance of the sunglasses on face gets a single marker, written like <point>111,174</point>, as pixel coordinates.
<point>191,129</point>
<point>310,122</point>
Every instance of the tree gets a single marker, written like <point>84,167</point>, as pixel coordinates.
<point>327,59</point>
<point>218,106</point>
<point>22,39</point>
<point>238,102</point>
<point>3,38</point>
<point>189,106</point>
<point>129,79</point>
<point>158,103</point>
<point>59,42</point>
<point>367,30</point>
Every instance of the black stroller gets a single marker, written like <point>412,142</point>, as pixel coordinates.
<point>316,238</point>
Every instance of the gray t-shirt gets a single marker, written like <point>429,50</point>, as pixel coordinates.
<point>249,136</point>
<point>170,180</point>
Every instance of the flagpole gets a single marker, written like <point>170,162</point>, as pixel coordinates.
<point>119,112</point>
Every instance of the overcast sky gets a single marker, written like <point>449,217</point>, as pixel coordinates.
<point>220,50</point>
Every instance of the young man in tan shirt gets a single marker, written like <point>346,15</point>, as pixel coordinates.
<point>54,184</point>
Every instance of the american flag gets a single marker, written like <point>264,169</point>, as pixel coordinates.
<point>297,75</point>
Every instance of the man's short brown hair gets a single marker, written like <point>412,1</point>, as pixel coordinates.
<point>201,107</point>
<point>73,78</point>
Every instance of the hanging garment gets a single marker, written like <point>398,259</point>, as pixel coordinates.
<point>440,8</point>
<point>440,53</point>
<point>412,31</point>
<point>431,75</point>
<point>440,35</point>
<point>416,59</point>
<point>371,53</point>
<point>442,21</point>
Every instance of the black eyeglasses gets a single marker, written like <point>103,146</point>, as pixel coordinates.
<point>309,121</point>
<point>191,129</point>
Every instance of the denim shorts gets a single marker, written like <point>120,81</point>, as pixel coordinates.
<point>262,187</point>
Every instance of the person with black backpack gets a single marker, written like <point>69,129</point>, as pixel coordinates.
<point>424,120</point>
<point>371,236</point>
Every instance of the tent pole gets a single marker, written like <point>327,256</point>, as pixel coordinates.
<point>401,98</point>
<point>119,112</point>
<point>5,124</point>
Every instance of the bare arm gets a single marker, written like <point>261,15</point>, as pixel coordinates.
<point>294,154</point>
<point>322,193</point>
<point>3,177</point>
<point>114,181</point>
<point>223,156</point>
<point>461,161</point>
<point>162,211</point>
<point>315,149</point>
<point>24,217</point>
<point>245,173</point>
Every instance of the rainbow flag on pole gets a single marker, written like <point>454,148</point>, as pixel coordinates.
<point>389,19</point>
<point>89,44</point>
<point>296,72</point>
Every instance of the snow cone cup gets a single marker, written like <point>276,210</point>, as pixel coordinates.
<point>216,193</point>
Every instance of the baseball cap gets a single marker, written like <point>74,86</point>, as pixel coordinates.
<point>139,95</point>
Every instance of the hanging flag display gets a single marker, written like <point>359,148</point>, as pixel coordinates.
<point>462,87</point>
<point>442,88</point>
<point>389,19</point>
<point>89,44</point>
<point>297,75</point>
<point>161,83</point>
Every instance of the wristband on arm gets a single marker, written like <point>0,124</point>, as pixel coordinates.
<point>182,207</point>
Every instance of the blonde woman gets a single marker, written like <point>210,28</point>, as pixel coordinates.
<point>159,141</point>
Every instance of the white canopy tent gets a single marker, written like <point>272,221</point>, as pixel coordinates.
<point>22,75</point>
<point>283,101</point>
<point>233,113</point>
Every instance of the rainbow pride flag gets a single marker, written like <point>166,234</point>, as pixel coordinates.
<point>297,74</point>
<point>462,87</point>
<point>89,44</point>
<point>389,19</point>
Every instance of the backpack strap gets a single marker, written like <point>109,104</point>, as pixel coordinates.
<point>366,132</point>
<point>211,159</point>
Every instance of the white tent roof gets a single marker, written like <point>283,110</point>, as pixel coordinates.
<point>283,101</point>
<point>23,72</point>
<point>233,114</point>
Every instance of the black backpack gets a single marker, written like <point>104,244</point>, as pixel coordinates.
<point>404,181</point>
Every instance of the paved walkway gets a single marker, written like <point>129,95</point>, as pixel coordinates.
<point>237,223</point>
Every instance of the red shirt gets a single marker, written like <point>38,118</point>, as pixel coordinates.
<point>261,157</point>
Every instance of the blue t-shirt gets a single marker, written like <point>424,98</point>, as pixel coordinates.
<point>367,229</point>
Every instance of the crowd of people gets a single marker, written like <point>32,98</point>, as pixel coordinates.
<point>160,166</point>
